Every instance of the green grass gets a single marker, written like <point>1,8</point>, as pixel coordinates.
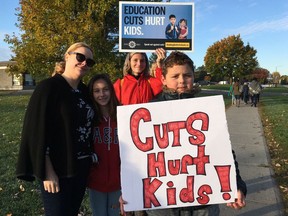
<point>279,89</point>
<point>17,198</point>
<point>274,115</point>
<point>217,87</point>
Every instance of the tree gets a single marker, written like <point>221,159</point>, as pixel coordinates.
<point>152,58</point>
<point>230,58</point>
<point>48,28</point>
<point>261,74</point>
<point>200,74</point>
<point>276,78</point>
<point>284,80</point>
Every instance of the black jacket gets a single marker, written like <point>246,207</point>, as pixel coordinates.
<point>51,121</point>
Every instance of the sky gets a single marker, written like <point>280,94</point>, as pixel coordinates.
<point>261,23</point>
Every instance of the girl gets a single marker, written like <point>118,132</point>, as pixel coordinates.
<point>183,29</point>
<point>104,178</point>
<point>137,85</point>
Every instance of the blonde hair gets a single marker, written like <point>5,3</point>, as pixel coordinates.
<point>59,68</point>
<point>127,64</point>
<point>153,69</point>
<point>76,46</point>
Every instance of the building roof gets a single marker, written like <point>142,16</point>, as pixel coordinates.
<point>6,63</point>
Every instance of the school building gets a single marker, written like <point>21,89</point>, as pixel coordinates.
<point>12,81</point>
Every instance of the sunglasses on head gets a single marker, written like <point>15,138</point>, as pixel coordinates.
<point>81,58</point>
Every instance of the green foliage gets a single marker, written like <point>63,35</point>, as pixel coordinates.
<point>152,58</point>
<point>261,74</point>
<point>49,27</point>
<point>284,80</point>
<point>200,74</point>
<point>230,58</point>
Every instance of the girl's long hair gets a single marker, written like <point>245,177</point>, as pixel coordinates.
<point>112,104</point>
<point>127,64</point>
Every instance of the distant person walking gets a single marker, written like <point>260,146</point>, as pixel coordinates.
<point>254,91</point>
<point>231,93</point>
<point>237,93</point>
<point>245,92</point>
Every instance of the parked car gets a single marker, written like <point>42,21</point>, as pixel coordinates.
<point>223,82</point>
<point>203,82</point>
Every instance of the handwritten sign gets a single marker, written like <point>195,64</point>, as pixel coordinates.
<point>145,26</point>
<point>175,153</point>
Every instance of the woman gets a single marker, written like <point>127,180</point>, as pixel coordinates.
<point>56,138</point>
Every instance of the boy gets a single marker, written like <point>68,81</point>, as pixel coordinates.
<point>178,79</point>
<point>172,30</point>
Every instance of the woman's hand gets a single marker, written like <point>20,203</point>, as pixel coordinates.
<point>51,182</point>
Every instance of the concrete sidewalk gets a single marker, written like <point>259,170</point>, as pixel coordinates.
<point>248,141</point>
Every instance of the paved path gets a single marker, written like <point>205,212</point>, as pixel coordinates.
<point>248,141</point>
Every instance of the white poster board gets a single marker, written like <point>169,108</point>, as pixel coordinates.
<point>175,153</point>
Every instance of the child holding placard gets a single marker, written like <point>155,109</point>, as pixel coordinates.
<point>178,79</point>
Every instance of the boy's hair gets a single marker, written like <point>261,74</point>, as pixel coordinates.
<point>177,58</point>
<point>172,16</point>
<point>127,64</point>
<point>112,104</point>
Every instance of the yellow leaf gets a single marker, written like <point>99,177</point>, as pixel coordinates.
<point>22,188</point>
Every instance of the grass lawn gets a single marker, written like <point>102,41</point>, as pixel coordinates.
<point>274,115</point>
<point>19,198</point>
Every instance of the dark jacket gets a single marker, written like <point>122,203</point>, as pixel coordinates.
<point>52,122</point>
<point>168,94</point>
<point>173,34</point>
